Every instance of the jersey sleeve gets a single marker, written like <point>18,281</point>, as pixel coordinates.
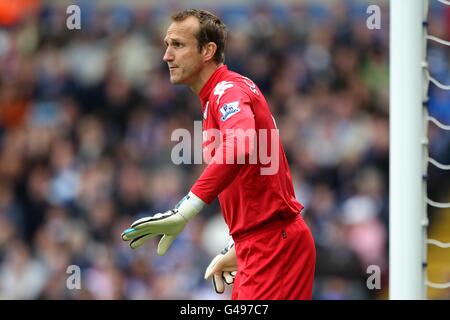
<point>236,121</point>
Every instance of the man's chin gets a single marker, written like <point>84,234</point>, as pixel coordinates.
<point>175,80</point>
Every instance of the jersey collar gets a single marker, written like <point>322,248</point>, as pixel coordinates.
<point>211,83</point>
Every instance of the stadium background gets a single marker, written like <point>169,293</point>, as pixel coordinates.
<point>85,123</point>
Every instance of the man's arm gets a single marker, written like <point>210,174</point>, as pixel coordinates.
<point>218,174</point>
<point>216,177</point>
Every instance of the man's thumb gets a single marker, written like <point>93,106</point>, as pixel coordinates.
<point>214,266</point>
<point>164,244</point>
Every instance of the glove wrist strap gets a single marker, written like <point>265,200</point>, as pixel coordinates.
<point>190,206</point>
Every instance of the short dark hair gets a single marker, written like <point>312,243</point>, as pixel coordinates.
<point>212,29</point>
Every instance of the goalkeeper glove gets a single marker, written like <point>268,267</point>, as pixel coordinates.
<point>169,224</point>
<point>223,268</point>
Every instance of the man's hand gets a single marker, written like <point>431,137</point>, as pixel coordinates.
<point>169,224</point>
<point>223,268</point>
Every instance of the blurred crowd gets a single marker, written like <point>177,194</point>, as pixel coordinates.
<point>86,118</point>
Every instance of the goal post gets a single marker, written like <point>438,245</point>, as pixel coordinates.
<point>406,206</point>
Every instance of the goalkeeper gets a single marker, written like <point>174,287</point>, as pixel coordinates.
<point>272,249</point>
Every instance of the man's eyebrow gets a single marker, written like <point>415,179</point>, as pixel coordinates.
<point>166,40</point>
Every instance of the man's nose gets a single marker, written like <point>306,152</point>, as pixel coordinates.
<point>168,56</point>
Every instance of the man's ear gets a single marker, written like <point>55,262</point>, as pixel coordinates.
<point>209,50</point>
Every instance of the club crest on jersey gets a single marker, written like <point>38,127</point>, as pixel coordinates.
<point>229,109</point>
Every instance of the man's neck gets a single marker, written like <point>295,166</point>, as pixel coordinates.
<point>204,76</point>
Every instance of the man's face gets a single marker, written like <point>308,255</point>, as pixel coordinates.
<point>182,55</point>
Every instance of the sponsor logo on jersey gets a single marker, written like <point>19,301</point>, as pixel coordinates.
<point>221,87</point>
<point>229,109</point>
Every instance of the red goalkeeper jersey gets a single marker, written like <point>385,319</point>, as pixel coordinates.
<point>247,167</point>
